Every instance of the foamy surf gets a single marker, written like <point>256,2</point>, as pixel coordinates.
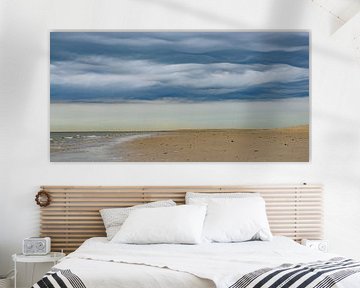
<point>83,147</point>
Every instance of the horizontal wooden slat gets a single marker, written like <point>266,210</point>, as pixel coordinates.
<point>288,218</point>
<point>73,216</point>
<point>209,188</point>
<point>113,198</point>
<point>49,232</point>
<point>74,235</point>
<point>74,226</point>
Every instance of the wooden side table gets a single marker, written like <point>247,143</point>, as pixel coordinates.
<point>53,257</point>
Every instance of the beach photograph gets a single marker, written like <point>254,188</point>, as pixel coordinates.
<point>179,96</point>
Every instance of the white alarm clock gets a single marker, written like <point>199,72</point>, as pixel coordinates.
<point>320,245</point>
<point>36,246</point>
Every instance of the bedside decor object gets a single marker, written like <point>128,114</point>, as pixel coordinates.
<point>42,198</point>
<point>52,257</point>
<point>36,246</point>
<point>320,245</point>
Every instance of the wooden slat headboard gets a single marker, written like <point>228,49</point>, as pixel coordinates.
<point>73,215</point>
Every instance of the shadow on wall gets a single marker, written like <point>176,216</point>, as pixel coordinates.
<point>202,14</point>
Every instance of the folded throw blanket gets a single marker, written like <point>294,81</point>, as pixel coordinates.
<point>319,274</point>
<point>59,278</point>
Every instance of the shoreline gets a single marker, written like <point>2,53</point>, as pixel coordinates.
<point>89,146</point>
<point>298,127</point>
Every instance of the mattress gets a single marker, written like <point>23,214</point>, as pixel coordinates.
<point>99,263</point>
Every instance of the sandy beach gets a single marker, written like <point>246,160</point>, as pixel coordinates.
<point>223,145</point>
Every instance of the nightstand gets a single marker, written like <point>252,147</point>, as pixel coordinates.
<point>320,245</point>
<point>53,257</point>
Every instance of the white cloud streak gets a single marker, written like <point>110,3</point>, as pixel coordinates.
<point>103,71</point>
<point>198,43</point>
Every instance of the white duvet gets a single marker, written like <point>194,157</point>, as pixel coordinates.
<point>100,263</point>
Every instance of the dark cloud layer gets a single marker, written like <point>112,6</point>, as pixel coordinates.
<point>178,66</point>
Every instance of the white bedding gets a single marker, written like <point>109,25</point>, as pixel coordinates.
<point>100,263</point>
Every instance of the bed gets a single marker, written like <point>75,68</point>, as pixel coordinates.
<point>99,263</point>
<point>294,211</point>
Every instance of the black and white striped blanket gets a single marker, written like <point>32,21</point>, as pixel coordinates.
<point>57,278</point>
<point>320,274</point>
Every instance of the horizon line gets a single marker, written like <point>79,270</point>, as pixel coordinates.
<point>176,130</point>
<point>174,100</point>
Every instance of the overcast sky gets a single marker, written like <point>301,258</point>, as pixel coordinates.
<point>106,67</point>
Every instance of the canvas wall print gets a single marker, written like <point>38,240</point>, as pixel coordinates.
<point>179,96</point>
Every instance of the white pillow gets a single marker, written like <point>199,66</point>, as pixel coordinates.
<point>204,198</point>
<point>180,224</point>
<point>113,218</point>
<point>236,220</point>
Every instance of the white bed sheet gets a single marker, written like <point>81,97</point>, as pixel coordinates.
<point>101,274</point>
<point>100,263</point>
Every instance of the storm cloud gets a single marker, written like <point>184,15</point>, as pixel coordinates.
<point>178,66</point>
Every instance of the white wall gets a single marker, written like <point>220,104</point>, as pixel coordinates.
<point>24,109</point>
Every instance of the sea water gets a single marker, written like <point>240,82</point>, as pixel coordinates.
<point>90,146</point>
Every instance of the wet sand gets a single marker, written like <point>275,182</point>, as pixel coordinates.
<point>226,145</point>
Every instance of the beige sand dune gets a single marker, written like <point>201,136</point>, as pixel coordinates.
<point>225,145</point>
